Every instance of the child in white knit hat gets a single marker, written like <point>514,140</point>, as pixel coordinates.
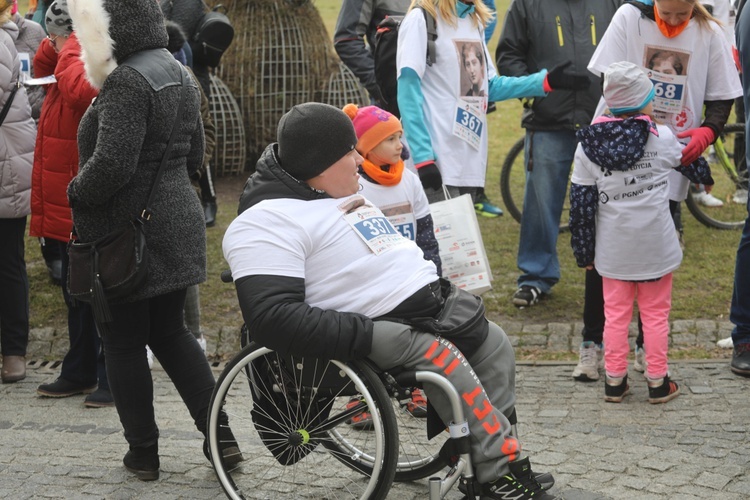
<point>620,224</point>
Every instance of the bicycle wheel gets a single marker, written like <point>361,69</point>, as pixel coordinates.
<point>286,412</point>
<point>513,185</point>
<point>729,170</point>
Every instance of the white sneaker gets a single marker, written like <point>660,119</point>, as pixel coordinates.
<point>149,357</point>
<point>740,197</point>
<point>640,363</point>
<point>202,342</point>
<point>591,358</point>
<point>707,199</point>
<point>726,343</point>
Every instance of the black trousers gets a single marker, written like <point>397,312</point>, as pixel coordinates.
<point>14,288</point>
<point>158,322</point>
<point>84,362</point>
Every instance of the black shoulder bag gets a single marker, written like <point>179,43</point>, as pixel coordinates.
<point>116,264</point>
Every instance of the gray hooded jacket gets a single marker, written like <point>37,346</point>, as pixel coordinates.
<point>17,133</point>
<point>123,136</point>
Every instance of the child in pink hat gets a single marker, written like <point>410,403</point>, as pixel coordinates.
<point>396,191</point>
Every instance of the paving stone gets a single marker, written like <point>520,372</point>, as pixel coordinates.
<point>691,447</point>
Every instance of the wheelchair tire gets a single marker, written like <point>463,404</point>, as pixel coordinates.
<point>285,413</point>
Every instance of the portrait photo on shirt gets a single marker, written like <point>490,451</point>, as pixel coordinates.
<point>666,61</point>
<point>473,70</point>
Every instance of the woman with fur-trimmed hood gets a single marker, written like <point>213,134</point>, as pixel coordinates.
<point>121,139</point>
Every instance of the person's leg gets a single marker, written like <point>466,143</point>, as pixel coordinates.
<point>208,195</point>
<point>676,211</point>
<point>80,364</point>
<point>52,258</point>
<point>130,381</point>
<point>739,312</point>
<point>193,311</point>
<point>180,355</point>
<point>640,362</point>
<point>14,300</point>
<point>14,288</point>
<point>548,158</point>
<point>484,206</point>
<point>435,195</point>
<point>618,310</point>
<point>492,448</point>
<point>593,308</point>
<point>654,304</point>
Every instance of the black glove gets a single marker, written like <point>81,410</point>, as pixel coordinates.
<point>559,79</point>
<point>430,176</point>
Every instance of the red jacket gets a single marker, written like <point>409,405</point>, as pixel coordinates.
<point>56,152</point>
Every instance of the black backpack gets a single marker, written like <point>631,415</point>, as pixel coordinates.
<point>386,43</point>
<point>213,36</point>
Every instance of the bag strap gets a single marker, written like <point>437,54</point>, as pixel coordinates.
<point>146,214</point>
<point>431,37</point>
<point>8,103</point>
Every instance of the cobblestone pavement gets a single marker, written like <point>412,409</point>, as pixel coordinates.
<point>696,446</point>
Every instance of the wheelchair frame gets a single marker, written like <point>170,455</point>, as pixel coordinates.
<point>312,429</point>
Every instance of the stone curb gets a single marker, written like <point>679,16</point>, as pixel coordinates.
<point>47,343</point>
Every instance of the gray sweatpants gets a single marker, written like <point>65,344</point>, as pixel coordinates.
<point>486,383</point>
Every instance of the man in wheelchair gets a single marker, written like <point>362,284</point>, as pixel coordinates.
<point>320,272</point>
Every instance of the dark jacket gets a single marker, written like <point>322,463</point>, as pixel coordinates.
<point>187,13</point>
<point>122,138</point>
<point>358,21</point>
<point>540,34</point>
<point>274,307</point>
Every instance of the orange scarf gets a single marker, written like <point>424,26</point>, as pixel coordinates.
<point>668,30</point>
<point>389,178</point>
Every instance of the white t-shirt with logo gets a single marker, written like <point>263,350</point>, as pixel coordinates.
<point>635,235</point>
<point>403,204</point>
<point>687,70</point>
<point>455,94</point>
<point>351,258</point>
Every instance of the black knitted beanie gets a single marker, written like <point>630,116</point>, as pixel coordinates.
<point>312,137</point>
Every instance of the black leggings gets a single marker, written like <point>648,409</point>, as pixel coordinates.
<point>158,322</point>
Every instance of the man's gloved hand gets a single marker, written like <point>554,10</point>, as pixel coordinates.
<point>430,176</point>
<point>700,139</point>
<point>559,79</point>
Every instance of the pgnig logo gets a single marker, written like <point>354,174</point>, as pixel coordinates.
<point>603,198</point>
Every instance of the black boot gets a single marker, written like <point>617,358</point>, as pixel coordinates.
<point>143,462</point>
<point>209,210</point>
<point>230,450</point>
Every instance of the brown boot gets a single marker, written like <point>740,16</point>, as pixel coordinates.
<point>14,368</point>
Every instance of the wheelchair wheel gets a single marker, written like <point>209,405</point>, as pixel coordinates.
<point>285,414</point>
<point>729,170</point>
<point>418,458</point>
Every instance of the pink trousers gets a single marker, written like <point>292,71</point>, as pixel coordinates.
<point>654,302</point>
